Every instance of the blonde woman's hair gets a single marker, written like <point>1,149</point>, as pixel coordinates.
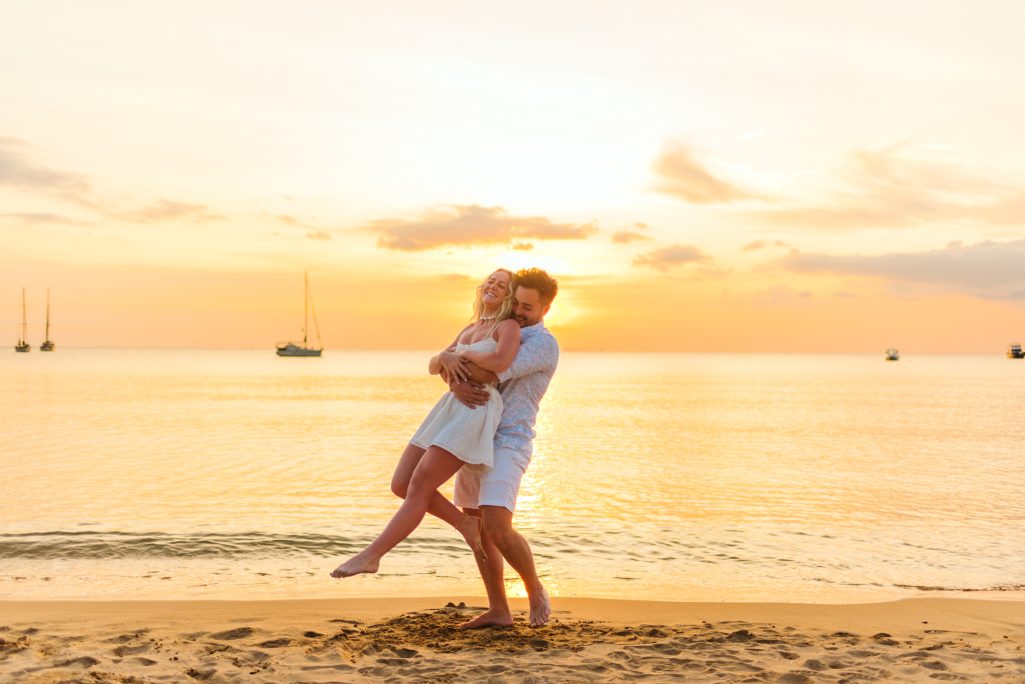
<point>505,309</point>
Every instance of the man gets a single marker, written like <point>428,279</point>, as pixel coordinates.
<point>492,493</point>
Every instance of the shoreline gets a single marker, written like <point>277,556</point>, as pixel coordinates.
<point>416,639</point>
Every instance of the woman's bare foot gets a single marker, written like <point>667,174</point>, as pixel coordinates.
<point>492,618</point>
<point>356,565</point>
<point>470,527</point>
<point>540,608</point>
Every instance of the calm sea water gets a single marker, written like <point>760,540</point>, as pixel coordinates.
<point>238,474</point>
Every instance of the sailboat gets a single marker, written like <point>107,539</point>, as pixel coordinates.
<point>23,346</point>
<point>47,344</point>
<point>293,349</point>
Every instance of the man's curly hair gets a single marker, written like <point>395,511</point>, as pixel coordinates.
<point>536,279</point>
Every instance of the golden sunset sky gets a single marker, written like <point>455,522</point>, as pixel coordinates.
<point>700,176</point>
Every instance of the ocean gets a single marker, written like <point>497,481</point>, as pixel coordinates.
<point>142,474</point>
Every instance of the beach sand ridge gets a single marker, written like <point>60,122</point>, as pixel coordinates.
<point>426,645</point>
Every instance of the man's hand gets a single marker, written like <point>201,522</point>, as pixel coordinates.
<point>454,366</point>
<point>470,394</point>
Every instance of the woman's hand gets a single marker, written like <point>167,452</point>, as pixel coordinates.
<point>454,365</point>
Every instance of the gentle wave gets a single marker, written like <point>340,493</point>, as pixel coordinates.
<point>63,545</point>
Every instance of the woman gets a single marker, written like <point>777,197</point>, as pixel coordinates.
<point>452,436</point>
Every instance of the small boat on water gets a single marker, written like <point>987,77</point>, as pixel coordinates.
<point>47,344</point>
<point>22,345</point>
<point>892,354</point>
<point>1014,351</point>
<point>293,349</point>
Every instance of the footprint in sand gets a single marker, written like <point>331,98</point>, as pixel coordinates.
<point>237,633</point>
<point>84,661</point>
<point>795,678</point>
<point>275,643</point>
<point>122,651</point>
<point>124,638</point>
<point>201,675</point>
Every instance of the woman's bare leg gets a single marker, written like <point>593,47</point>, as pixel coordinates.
<point>440,507</point>
<point>435,468</point>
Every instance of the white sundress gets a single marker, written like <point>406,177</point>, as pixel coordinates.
<point>468,434</point>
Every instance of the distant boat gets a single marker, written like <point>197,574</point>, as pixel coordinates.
<point>47,344</point>
<point>1014,351</point>
<point>23,346</point>
<point>892,354</point>
<point>293,349</point>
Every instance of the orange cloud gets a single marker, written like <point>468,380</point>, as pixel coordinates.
<point>468,225</point>
<point>163,210</point>
<point>39,218</point>
<point>625,236</point>
<point>685,178</point>
<point>891,189</point>
<point>762,244</point>
<point>988,270</point>
<point>17,170</point>
<point>670,257</point>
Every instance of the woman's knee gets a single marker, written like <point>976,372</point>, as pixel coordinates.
<point>416,488</point>
<point>400,487</point>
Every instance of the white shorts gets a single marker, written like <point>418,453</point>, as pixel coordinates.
<point>498,485</point>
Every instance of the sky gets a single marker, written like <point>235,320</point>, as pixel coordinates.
<point>750,176</point>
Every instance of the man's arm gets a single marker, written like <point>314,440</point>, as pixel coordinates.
<point>472,393</point>
<point>478,374</point>
<point>538,353</point>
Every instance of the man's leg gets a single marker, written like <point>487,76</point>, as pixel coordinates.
<point>492,571</point>
<point>498,528</point>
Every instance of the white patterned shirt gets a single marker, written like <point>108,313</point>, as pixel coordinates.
<point>522,386</point>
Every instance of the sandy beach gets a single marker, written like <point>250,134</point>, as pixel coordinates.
<point>414,640</point>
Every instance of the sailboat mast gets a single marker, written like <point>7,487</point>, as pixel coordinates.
<point>47,314</point>
<point>306,305</point>
<point>24,322</point>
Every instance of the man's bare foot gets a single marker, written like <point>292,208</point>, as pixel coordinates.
<point>356,565</point>
<point>470,528</point>
<point>540,608</point>
<point>492,618</point>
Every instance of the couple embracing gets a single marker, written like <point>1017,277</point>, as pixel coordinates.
<point>481,430</point>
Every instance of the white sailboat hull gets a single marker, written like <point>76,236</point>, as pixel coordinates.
<point>295,350</point>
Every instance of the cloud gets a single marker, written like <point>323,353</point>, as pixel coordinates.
<point>523,246</point>
<point>319,235</point>
<point>991,270</point>
<point>762,244</point>
<point>670,257</point>
<point>40,218</point>
<point>470,225</point>
<point>164,210</point>
<point>890,188</point>
<point>633,234</point>
<point>288,220</point>
<point>19,171</point>
<point>624,236</point>
<point>685,178</point>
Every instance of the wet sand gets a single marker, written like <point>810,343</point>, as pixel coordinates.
<point>416,640</point>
